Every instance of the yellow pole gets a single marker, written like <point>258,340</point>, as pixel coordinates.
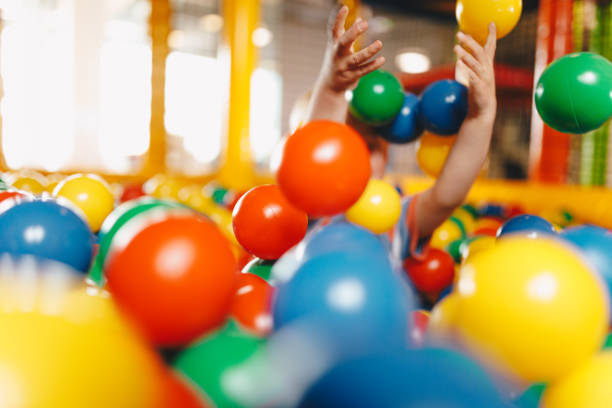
<point>159,26</point>
<point>241,18</point>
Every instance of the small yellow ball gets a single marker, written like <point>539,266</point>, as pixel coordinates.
<point>378,208</point>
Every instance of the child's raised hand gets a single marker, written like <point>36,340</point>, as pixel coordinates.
<point>477,63</point>
<point>343,67</point>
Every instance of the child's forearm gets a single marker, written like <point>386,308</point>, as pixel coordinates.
<point>326,104</point>
<point>462,167</point>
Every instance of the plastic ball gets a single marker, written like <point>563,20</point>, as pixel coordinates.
<point>587,386</point>
<point>260,268</point>
<point>266,224</point>
<point>252,305</point>
<point>11,194</point>
<point>163,186</point>
<point>440,329</point>
<point>378,209</point>
<point>378,98</point>
<point>444,106</point>
<point>209,363</point>
<point>432,151</point>
<point>418,329</point>
<point>415,378</point>
<point>531,226</point>
<point>466,218</point>
<point>573,94</point>
<point>342,236</point>
<point>48,230</point>
<point>174,274</point>
<point>131,192</point>
<point>531,397</point>
<point>195,196</point>
<point>476,244</point>
<point>595,243</point>
<point>487,226</point>
<point>532,308</point>
<point>90,194</point>
<point>181,394</point>
<point>61,338</point>
<point>406,127</point>
<point>450,230</point>
<point>325,168</point>
<point>351,296</point>
<point>434,273</point>
<point>474,17</point>
<point>31,182</point>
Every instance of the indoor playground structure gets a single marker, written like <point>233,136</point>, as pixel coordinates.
<point>298,279</point>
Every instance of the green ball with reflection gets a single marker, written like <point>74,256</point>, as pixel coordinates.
<point>378,98</point>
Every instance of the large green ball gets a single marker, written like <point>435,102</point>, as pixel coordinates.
<point>574,94</point>
<point>210,363</point>
<point>378,98</point>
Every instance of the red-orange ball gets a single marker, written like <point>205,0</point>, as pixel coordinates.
<point>432,274</point>
<point>179,393</point>
<point>266,224</point>
<point>252,307</point>
<point>175,277</point>
<point>325,168</point>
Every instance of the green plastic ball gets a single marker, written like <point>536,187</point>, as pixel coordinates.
<point>210,362</point>
<point>574,94</point>
<point>259,267</point>
<point>378,98</point>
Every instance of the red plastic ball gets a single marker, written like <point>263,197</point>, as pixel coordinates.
<point>418,327</point>
<point>325,168</point>
<point>180,394</point>
<point>266,224</point>
<point>252,307</point>
<point>5,195</point>
<point>131,192</point>
<point>434,273</point>
<point>175,277</point>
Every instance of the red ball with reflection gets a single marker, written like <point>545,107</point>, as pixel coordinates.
<point>131,192</point>
<point>434,273</point>
<point>325,168</point>
<point>179,394</point>
<point>418,327</point>
<point>175,277</point>
<point>252,306</point>
<point>266,224</point>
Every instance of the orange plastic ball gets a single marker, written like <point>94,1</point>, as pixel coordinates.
<point>179,393</point>
<point>432,152</point>
<point>266,224</point>
<point>175,276</point>
<point>325,168</point>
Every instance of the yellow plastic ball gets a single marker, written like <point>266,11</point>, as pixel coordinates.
<point>163,186</point>
<point>466,218</point>
<point>441,320</point>
<point>223,218</point>
<point>195,197</point>
<point>432,151</point>
<point>378,208</point>
<point>449,231</point>
<point>90,194</point>
<point>474,17</point>
<point>481,243</point>
<point>531,307</point>
<point>587,386</point>
<point>31,183</point>
<point>66,345</point>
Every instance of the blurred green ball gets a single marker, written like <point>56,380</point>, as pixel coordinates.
<point>378,98</point>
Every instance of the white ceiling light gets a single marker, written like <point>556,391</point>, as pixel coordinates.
<point>211,23</point>
<point>412,62</point>
<point>262,37</point>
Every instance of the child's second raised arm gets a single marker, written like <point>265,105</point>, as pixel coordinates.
<point>472,145</point>
<point>342,68</point>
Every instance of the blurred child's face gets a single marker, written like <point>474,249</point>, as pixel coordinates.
<point>378,147</point>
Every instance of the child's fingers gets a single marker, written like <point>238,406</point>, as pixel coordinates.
<point>369,67</point>
<point>340,20</point>
<point>357,59</point>
<point>491,44</point>
<point>472,76</point>
<point>350,36</point>
<point>468,59</point>
<point>470,44</point>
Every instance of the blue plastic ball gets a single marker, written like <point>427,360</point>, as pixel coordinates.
<point>415,378</point>
<point>530,225</point>
<point>492,210</point>
<point>342,236</point>
<point>348,296</point>
<point>444,106</point>
<point>48,230</point>
<point>406,127</point>
<point>595,243</point>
